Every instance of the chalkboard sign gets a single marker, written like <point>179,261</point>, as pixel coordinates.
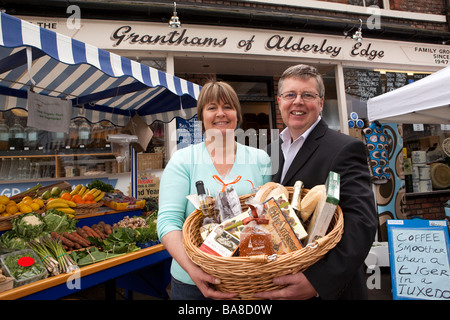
<point>395,80</point>
<point>362,83</point>
<point>419,259</point>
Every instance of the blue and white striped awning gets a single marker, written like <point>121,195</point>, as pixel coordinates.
<point>101,85</point>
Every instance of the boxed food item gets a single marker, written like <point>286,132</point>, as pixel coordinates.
<point>23,266</point>
<point>325,208</point>
<point>284,239</point>
<point>125,205</point>
<point>291,216</point>
<point>220,243</point>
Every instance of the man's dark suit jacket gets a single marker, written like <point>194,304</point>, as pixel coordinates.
<point>339,275</point>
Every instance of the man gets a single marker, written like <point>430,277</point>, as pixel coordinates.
<point>308,152</point>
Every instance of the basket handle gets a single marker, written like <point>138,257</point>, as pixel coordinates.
<point>262,258</point>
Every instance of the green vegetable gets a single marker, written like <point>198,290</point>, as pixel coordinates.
<point>19,272</point>
<point>58,221</point>
<point>91,255</point>
<point>121,240</point>
<point>46,257</point>
<point>100,185</point>
<point>9,240</point>
<point>28,226</point>
<point>66,264</point>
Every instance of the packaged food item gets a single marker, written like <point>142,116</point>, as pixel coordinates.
<point>325,208</point>
<point>206,205</point>
<point>283,236</point>
<point>220,243</point>
<point>254,239</point>
<point>291,216</point>
<point>227,200</point>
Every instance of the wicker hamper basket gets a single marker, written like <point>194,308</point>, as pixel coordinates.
<point>247,275</point>
<point>87,208</point>
<point>147,161</point>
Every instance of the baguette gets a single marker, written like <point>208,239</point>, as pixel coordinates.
<point>269,190</point>
<point>310,200</point>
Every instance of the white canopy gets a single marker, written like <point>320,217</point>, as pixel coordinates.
<point>424,101</point>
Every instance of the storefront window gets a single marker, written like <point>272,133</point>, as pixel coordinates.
<point>29,154</point>
<point>363,84</point>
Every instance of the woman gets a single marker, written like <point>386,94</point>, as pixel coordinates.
<point>219,111</point>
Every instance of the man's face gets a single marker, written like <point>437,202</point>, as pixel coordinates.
<point>299,114</point>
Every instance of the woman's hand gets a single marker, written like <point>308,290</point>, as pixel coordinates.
<point>205,283</point>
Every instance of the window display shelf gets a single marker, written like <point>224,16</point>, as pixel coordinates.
<point>34,165</point>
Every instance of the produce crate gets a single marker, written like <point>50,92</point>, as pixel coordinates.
<point>7,284</point>
<point>146,161</point>
<point>28,252</point>
<point>124,205</point>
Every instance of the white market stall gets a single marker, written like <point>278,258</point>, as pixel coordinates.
<point>424,101</point>
<point>100,85</point>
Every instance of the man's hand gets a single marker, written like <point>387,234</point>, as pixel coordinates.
<point>297,287</point>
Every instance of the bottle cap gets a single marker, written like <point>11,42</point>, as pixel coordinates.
<point>200,187</point>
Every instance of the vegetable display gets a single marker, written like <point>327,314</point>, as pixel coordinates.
<point>60,246</point>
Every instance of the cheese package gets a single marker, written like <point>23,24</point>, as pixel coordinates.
<point>284,239</point>
<point>291,216</point>
<point>325,208</point>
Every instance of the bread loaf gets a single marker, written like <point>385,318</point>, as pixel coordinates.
<point>310,200</point>
<point>269,190</point>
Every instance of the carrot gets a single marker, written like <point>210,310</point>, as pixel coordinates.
<point>64,240</point>
<point>91,232</point>
<point>99,232</point>
<point>81,240</point>
<point>108,229</point>
<point>82,233</point>
<point>101,226</point>
<point>74,239</point>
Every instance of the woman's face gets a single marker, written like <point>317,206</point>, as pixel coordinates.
<point>219,116</point>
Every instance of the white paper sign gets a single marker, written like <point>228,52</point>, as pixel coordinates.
<point>419,259</point>
<point>48,113</point>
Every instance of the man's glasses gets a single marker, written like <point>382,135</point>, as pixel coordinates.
<point>306,96</point>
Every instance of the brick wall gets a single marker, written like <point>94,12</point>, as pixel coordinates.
<point>419,6</point>
<point>429,206</point>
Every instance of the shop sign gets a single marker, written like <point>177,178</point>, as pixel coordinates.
<point>48,113</point>
<point>111,35</point>
<point>188,132</point>
<point>147,186</point>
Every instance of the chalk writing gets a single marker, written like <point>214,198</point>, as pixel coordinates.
<point>420,260</point>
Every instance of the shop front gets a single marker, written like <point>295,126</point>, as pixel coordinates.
<point>253,59</point>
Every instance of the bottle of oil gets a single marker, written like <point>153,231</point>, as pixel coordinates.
<point>206,207</point>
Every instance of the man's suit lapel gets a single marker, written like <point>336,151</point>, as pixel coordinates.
<point>307,150</point>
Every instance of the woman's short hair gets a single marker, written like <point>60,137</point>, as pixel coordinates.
<point>305,72</point>
<point>216,91</point>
